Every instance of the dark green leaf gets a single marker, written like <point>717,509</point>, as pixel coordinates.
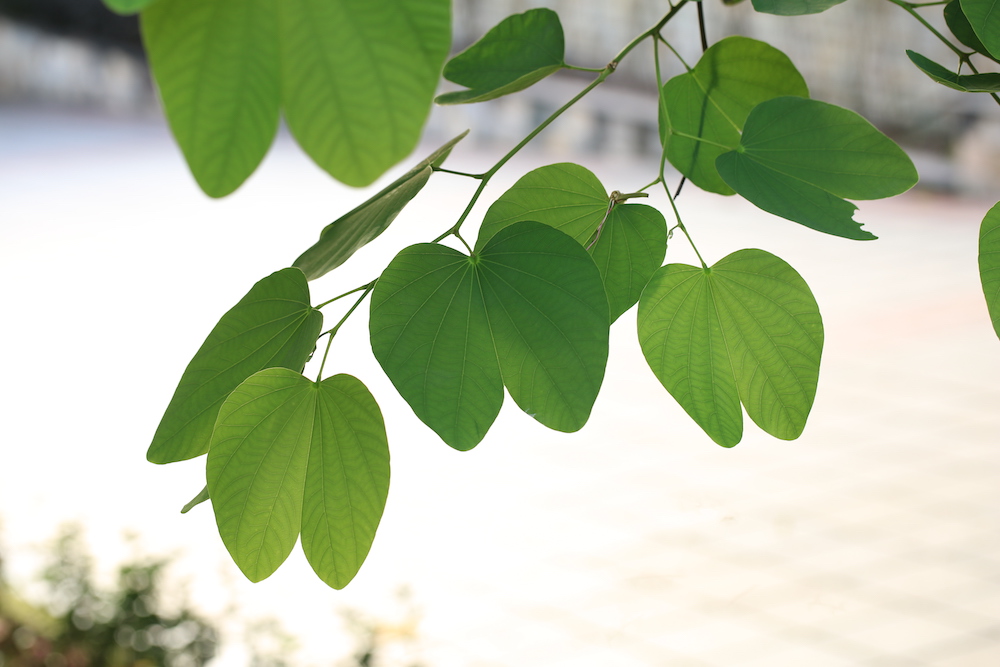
<point>989,263</point>
<point>273,325</point>
<point>518,52</point>
<point>959,25</point>
<point>748,329</point>
<point>967,83</point>
<point>216,65</point>
<point>984,17</point>
<point>528,311</point>
<point>358,79</point>
<point>794,7</point>
<point>799,159</point>
<point>630,248</point>
<point>127,6</point>
<point>288,453</point>
<point>345,236</point>
<point>197,500</point>
<point>713,100</point>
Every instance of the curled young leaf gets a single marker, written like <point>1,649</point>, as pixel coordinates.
<point>518,52</point>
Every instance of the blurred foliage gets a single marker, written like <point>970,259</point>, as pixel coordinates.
<point>89,19</point>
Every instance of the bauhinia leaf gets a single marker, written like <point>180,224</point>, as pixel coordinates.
<point>989,263</point>
<point>570,198</point>
<point>713,100</point>
<point>290,454</point>
<point>352,231</point>
<point>216,65</point>
<point>800,159</point>
<point>358,78</point>
<point>527,312</point>
<point>197,500</point>
<point>959,25</point>
<point>273,325</point>
<point>794,7</point>
<point>126,7</point>
<point>967,83</point>
<point>984,17</point>
<point>747,330</point>
<point>516,53</point>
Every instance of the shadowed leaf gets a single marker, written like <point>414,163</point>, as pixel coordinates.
<point>967,83</point>
<point>959,25</point>
<point>126,7</point>
<point>984,17</point>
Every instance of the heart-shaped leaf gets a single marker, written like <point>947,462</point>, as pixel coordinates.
<point>289,454</point>
<point>794,7</point>
<point>748,329</point>
<point>518,52</point>
<point>967,83</point>
<point>800,158</point>
<point>527,312</point>
<point>273,325</point>
<point>629,250</point>
<point>989,263</point>
<point>713,100</point>
<point>354,230</point>
<point>985,21</point>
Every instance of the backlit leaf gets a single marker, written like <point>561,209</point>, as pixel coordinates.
<point>629,250</point>
<point>516,53</point>
<point>288,453</point>
<point>216,65</point>
<point>967,83</point>
<point>527,312</point>
<point>747,330</point>
<point>358,78</point>
<point>197,500</point>
<point>794,7</point>
<point>989,263</point>
<point>346,235</point>
<point>713,100</point>
<point>273,325</point>
<point>984,17</point>
<point>800,158</point>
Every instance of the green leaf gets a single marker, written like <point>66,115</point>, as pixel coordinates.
<point>800,158</point>
<point>794,7</point>
<point>713,100</point>
<point>216,65</point>
<point>273,325</point>
<point>527,312</point>
<point>126,7</point>
<point>358,79</point>
<point>346,235</point>
<point>967,83</point>
<point>565,196</point>
<point>288,453</point>
<point>197,500</point>
<point>629,250</point>
<point>989,263</point>
<point>959,25</point>
<point>747,330</point>
<point>516,53</point>
<point>984,17</point>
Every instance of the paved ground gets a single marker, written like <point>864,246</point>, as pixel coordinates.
<point>872,540</point>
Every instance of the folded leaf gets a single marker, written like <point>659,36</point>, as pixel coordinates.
<point>289,453</point>
<point>985,21</point>
<point>959,25</point>
<point>800,158</point>
<point>713,100</point>
<point>351,232</point>
<point>273,325</point>
<point>747,330</point>
<point>794,7</point>
<point>967,83</point>
<point>527,312</point>
<point>516,53</point>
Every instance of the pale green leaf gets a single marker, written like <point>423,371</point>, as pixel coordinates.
<point>629,249</point>
<point>989,263</point>
<point>747,330</point>
<point>794,7</point>
<point>273,325</point>
<point>984,17</point>
<point>713,100</point>
<point>126,7</point>
<point>800,158</point>
<point>527,312</point>
<point>288,453</point>
<point>352,231</point>
<point>197,500</point>
<point>967,83</point>
<point>215,63</point>
<point>516,53</point>
<point>358,79</point>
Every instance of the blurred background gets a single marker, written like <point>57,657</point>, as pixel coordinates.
<point>872,540</point>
